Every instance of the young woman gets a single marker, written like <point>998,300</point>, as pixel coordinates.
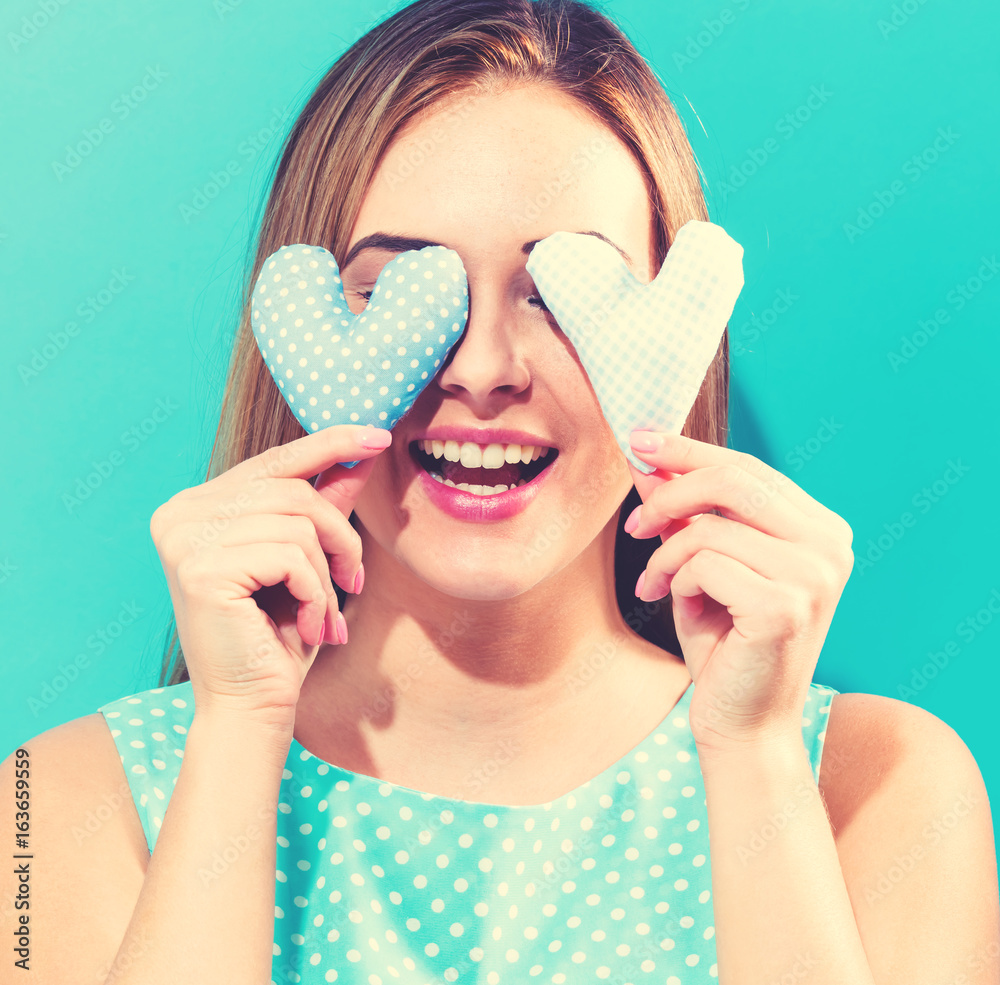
<point>558,741</point>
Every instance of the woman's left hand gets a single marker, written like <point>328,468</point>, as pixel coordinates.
<point>754,590</point>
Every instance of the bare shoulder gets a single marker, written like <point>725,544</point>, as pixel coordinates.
<point>89,850</point>
<point>876,745</point>
<point>914,836</point>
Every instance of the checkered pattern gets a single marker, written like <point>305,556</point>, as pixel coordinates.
<point>646,348</point>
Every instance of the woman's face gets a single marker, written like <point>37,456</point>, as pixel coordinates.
<point>485,174</point>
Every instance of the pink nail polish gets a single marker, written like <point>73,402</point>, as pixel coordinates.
<point>639,584</point>
<point>644,440</point>
<point>633,519</point>
<point>341,627</point>
<point>359,579</point>
<point>372,437</point>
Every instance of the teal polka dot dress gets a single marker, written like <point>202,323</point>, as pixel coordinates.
<point>377,883</point>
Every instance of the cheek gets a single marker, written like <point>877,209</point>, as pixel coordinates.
<point>572,370</point>
<point>561,363</point>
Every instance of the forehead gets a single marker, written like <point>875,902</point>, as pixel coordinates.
<point>479,171</point>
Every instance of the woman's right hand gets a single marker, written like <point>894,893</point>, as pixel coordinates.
<point>263,524</point>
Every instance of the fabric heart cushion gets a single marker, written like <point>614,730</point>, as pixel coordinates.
<point>335,367</point>
<point>646,347</point>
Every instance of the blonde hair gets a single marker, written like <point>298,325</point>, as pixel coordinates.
<point>423,52</point>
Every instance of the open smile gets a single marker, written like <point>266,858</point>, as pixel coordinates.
<point>478,482</point>
<point>482,470</point>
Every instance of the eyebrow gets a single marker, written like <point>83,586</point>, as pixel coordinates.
<point>400,244</point>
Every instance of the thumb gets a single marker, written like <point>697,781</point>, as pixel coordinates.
<point>342,486</point>
<point>645,484</point>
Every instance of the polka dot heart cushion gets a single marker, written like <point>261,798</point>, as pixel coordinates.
<point>335,367</point>
<point>646,347</point>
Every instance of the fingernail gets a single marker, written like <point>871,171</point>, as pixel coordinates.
<point>341,628</point>
<point>639,584</point>
<point>644,440</point>
<point>359,579</point>
<point>633,519</point>
<point>372,437</point>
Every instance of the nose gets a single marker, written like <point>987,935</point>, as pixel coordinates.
<point>489,359</point>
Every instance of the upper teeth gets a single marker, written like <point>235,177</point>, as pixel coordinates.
<point>475,456</point>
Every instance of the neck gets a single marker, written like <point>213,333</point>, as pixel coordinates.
<point>435,667</point>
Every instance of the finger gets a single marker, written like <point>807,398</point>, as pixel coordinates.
<point>765,555</point>
<point>646,484</point>
<point>313,453</point>
<point>271,528</point>
<point>341,486</point>
<point>737,494</point>
<point>680,454</point>
<point>256,566</point>
<point>282,497</point>
<point>727,581</point>
<point>331,528</point>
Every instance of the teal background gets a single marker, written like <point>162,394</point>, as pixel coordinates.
<point>816,391</point>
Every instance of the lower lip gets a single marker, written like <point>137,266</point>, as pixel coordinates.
<point>464,505</point>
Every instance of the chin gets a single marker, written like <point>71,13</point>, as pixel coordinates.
<point>493,572</point>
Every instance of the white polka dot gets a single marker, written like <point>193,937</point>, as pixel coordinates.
<point>592,879</point>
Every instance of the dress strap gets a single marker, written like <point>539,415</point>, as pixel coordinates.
<point>150,731</point>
